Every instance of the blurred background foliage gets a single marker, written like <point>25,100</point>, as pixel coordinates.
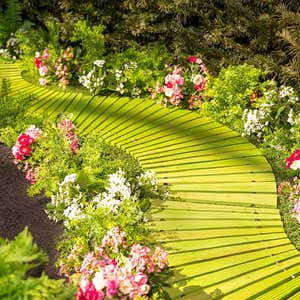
<point>224,32</point>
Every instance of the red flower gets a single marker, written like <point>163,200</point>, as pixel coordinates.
<point>18,156</point>
<point>37,62</point>
<point>25,140</point>
<point>169,85</point>
<point>90,294</point>
<point>24,150</point>
<point>294,156</point>
<point>192,59</point>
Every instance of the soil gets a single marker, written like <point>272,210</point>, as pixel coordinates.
<point>18,210</point>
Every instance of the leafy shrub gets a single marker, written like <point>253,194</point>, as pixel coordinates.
<point>90,39</point>
<point>16,258</point>
<point>131,73</point>
<point>230,94</point>
<point>10,20</point>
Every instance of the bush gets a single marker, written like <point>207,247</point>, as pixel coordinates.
<point>16,258</point>
<point>230,94</point>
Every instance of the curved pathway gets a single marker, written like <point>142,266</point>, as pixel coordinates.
<point>222,229</point>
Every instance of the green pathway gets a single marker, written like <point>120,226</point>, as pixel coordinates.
<point>223,230</point>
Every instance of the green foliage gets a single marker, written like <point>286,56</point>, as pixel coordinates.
<point>10,20</point>
<point>54,159</point>
<point>230,93</point>
<point>139,69</point>
<point>16,258</point>
<point>90,40</point>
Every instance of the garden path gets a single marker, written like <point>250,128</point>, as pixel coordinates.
<point>223,229</point>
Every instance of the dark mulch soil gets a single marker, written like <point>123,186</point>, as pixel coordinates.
<point>17,210</point>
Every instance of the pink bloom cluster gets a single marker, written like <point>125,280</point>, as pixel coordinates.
<point>292,191</point>
<point>41,64</point>
<point>126,278</point>
<point>199,81</point>
<point>293,162</point>
<point>62,71</point>
<point>172,87</point>
<point>188,81</point>
<point>22,149</point>
<point>68,128</point>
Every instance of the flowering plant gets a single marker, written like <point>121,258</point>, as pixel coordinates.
<point>184,84</point>
<point>93,80</point>
<point>293,162</point>
<point>68,129</point>
<point>291,190</point>
<point>22,149</point>
<point>61,70</point>
<point>116,269</point>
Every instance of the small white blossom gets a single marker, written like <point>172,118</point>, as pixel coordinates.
<point>99,63</point>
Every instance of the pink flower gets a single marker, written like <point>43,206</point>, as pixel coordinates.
<point>112,288</point>
<point>43,70</point>
<point>30,175</point>
<point>114,238</point>
<point>90,293</point>
<point>43,81</point>
<point>63,82</point>
<point>46,54</point>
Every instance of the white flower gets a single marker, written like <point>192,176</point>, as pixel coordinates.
<point>295,165</point>
<point>99,281</point>
<point>285,91</point>
<point>148,177</point>
<point>291,119</point>
<point>117,191</point>
<point>99,63</point>
<point>197,79</point>
<point>254,121</point>
<point>70,178</point>
<point>72,211</point>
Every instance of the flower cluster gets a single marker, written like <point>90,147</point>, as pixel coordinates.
<point>68,128</point>
<point>42,64</point>
<point>11,50</point>
<point>66,204</point>
<point>22,149</point>
<point>255,121</point>
<point>148,178</point>
<point>63,67</point>
<point>123,277</point>
<point>293,162</point>
<point>60,70</point>
<point>117,191</point>
<point>94,79</point>
<point>291,189</point>
<point>189,82</point>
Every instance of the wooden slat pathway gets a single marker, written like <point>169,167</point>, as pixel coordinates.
<point>223,229</point>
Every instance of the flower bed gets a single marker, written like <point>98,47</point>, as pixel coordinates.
<point>100,195</point>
